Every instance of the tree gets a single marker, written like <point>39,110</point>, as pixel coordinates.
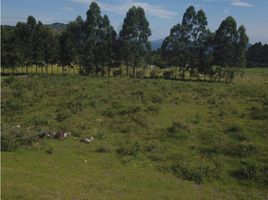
<point>133,38</point>
<point>108,55</point>
<point>186,43</point>
<point>72,43</point>
<point>242,46</point>
<point>91,47</point>
<point>225,43</point>
<point>257,55</point>
<point>9,57</point>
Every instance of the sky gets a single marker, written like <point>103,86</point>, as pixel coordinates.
<point>162,14</point>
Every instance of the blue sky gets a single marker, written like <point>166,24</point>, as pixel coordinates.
<point>162,14</point>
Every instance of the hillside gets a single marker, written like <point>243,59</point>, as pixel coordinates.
<point>57,27</point>
<point>153,139</point>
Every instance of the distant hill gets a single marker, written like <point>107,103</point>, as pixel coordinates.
<point>156,44</point>
<point>57,27</point>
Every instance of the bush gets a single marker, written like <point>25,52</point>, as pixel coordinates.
<point>152,109</point>
<point>240,150</point>
<point>259,112</point>
<point>235,132</point>
<point>157,99</point>
<point>128,150</point>
<point>140,73</point>
<point>176,129</point>
<point>168,74</point>
<point>8,142</point>
<point>248,171</point>
<point>197,173</point>
<point>117,72</point>
<point>155,73</point>
<point>102,149</point>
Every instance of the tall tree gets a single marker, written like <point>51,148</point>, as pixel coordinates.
<point>9,57</point>
<point>226,43</point>
<point>186,43</point>
<point>91,47</point>
<point>108,54</point>
<point>242,46</point>
<point>134,36</point>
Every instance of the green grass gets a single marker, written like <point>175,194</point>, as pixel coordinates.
<point>154,139</point>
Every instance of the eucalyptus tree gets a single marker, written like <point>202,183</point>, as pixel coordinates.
<point>133,38</point>
<point>242,46</point>
<point>186,43</point>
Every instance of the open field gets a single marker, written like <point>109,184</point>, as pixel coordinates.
<point>154,139</point>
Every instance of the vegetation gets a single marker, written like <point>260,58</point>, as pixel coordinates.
<point>141,138</point>
<point>154,139</point>
<point>94,46</point>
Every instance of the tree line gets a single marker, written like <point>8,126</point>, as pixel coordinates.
<point>94,45</point>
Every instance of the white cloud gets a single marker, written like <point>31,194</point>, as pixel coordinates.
<point>122,7</point>
<point>237,3</point>
<point>241,3</point>
<point>66,8</point>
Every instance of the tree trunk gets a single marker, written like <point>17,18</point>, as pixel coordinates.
<point>134,72</point>
<point>127,70</point>
<point>183,73</point>
<point>103,73</point>
<point>109,71</point>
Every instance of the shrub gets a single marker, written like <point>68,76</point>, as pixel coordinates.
<point>8,142</point>
<point>168,74</point>
<point>157,99</point>
<point>248,170</point>
<point>152,109</point>
<point>176,129</point>
<point>102,149</point>
<point>197,173</point>
<point>39,121</point>
<point>235,132</point>
<point>9,80</point>
<point>259,112</point>
<point>49,150</point>
<point>117,72</point>
<point>240,150</point>
<point>128,150</point>
<point>155,73</point>
<point>27,140</point>
<point>140,73</point>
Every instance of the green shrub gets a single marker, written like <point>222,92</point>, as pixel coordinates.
<point>49,150</point>
<point>152,109</point>
<point>157,99</point>
<point>9,80</point>
<point>155,73</point>
<point>140,73</point>
<point>117,72</point>
<point>235,131</point>
<point>168,74</point>
<point>39,120</point>
<point>259,112</point>
<point>197,173</point>
<point>102,149</point>
<point>248,170</point>
<point>240,150</point>
<point>128,149</point>
<point>8,142</point>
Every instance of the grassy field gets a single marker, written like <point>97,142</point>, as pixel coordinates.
<point>154,139</point>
